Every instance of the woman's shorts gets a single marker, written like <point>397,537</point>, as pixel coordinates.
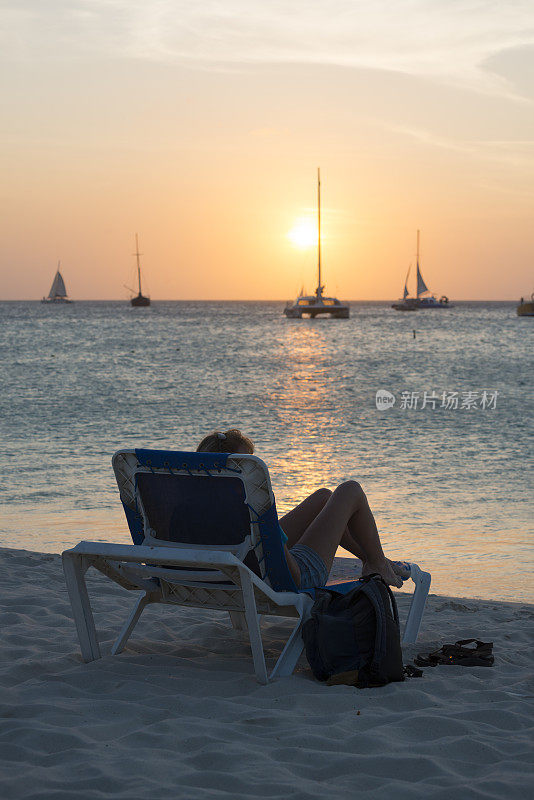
<point>313,570</point>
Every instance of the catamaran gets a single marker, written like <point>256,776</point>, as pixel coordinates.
<point>423,296</point>
<point>58,292</point>
<point>140,299</point>
<point>315,304</point>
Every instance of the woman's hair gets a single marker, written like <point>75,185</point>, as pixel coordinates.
<point>230,442</point>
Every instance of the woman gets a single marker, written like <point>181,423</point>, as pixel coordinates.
<point>323,521</point>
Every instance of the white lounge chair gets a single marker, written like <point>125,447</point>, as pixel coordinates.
<point>206,534</point>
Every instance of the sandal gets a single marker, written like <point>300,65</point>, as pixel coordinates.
<point>459,654</point>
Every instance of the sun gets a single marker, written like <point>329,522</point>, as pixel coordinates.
<point>303,233</point>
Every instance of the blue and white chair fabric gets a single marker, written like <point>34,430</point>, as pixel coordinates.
<point>205,534</point>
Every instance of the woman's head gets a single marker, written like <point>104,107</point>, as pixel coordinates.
<point>232,441</point>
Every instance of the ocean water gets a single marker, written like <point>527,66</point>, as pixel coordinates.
<point>451,487</point>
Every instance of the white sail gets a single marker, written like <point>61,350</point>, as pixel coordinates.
<point>58,286</point>
<point>421,285</point>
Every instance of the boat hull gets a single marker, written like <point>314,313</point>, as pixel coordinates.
<point>420,303</point>
<point>435,305</point>
<point>60,301</point>
<point>525,310</point>
<point>294,312</point>
<point>140,301</point>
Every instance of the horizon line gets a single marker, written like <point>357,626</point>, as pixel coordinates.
<point>242,300</point>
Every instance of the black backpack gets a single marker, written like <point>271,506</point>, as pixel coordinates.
<point>354,638</point>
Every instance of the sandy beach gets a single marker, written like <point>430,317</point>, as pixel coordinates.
<point>180,714</point>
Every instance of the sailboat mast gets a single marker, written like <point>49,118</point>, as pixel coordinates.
<point>137,253</point>
<point>417,262</point>
<point>319,230</point>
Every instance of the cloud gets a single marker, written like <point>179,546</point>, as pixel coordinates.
<point>448,40</point>
<point>514,152</point>
<point>516,65</point>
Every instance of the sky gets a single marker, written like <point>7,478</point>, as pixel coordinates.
<point>201,127</point>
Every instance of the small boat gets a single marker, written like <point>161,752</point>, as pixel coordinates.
<point>423,296</point>
<point>317,304</point>
<point>526,307</point>
<point>140,299</point>
<point>58,292</point>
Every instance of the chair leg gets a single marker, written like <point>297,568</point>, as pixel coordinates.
<point>130,624</point>
<point>253,625</point>
<point>415,615</point>
<point>75,567</point>
<point>238,620</point>
<point>290,654</point>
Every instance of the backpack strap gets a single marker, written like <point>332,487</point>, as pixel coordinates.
<point>372,593</point>
<point>394,607</point>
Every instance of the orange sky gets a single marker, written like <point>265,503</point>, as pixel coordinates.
<point>202,129</point>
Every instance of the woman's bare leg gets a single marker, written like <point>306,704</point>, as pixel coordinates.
<point>295,522</point>
<point>348,543</point>
<point>347,508</point>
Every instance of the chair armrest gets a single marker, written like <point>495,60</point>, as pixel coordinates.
<point>159,555</point>
<point>185,557</point>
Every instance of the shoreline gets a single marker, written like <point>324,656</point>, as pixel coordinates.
<point>180,710</point>
<point>340,571</point>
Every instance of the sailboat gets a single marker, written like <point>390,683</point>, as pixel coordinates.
<point>313,305</point>
<point>58,292</point>
<point>423,296</point>
<point>140,299</point>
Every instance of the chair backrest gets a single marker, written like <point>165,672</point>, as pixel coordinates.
<point>204,500</point>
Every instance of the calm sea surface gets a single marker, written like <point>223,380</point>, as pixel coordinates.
<point>451,487</point>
